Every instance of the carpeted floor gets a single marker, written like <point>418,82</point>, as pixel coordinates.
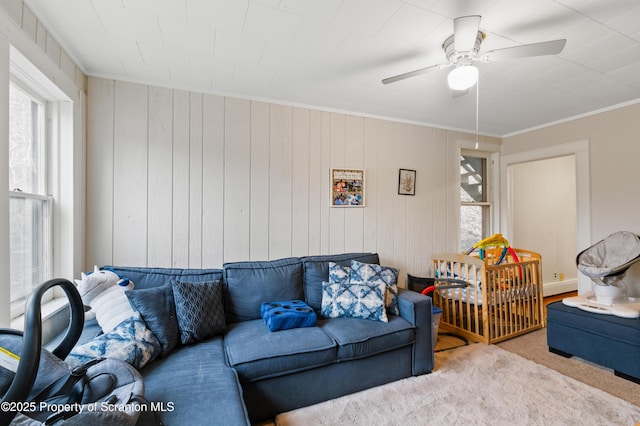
<point>476,384</point>
<point>533,346</point>
<point>449,341</point>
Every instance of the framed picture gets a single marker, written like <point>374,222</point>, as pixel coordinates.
<point>407,182</point>
<point>347,188</point>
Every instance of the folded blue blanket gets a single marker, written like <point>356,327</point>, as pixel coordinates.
<point>287,314</point>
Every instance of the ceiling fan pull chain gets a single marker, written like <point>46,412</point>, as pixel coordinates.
<point>477,110</point>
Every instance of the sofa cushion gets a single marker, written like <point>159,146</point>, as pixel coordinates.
<point>354,300</point>
<point>158,310</point>
<point>256,353</point>
<point>208,389</point>
<point>361,338</point>
<point>316,270</point>
<point>251,283</point>
<point>200,309</point>
<point>143,277</point>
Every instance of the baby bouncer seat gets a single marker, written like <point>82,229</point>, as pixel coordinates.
<point>606,263</point>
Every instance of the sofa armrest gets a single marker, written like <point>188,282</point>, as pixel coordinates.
<point>416,308</point>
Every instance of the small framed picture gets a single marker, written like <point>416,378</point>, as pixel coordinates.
<point>407,182</point>
<point>347,188</point>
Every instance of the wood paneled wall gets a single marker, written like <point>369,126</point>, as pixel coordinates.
<point>183,179</point>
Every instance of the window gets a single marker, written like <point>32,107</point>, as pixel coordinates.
<point>29,205</point>
<point>474,208</point>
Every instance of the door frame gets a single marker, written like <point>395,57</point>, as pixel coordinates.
<point>580,150</point>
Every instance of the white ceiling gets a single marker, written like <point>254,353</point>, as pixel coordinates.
<point>332,54</point>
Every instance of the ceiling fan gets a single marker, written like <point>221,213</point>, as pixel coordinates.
<point>462,49</point>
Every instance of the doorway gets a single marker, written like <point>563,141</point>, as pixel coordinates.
<point>542,209</point>
<point>545,205</point>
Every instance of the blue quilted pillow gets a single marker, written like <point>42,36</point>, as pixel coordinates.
<point>363,301</point>
<point>130,341</point>
<point>287,314</point>
<point>338,273</point>
<point>200,310</point>
<point>367,273</point>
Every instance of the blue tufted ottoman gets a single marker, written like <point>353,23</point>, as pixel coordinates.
<point>607,340</point>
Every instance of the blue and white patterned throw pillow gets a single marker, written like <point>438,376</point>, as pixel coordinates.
<point>338,273</point>
<point>362,273</point>
<point>200,310</point>
<point>130,341</point>
<point>363,301</point>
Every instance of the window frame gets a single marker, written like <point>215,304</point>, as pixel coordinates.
<point>17,307</point>
<point>67,95</point>
<point>46,147</point>
<point>486,205</point>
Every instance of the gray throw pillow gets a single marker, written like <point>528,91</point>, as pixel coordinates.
<point>200,309</point>
<point>158,310</point>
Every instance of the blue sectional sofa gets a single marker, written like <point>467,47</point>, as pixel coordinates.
<point>249,374</point>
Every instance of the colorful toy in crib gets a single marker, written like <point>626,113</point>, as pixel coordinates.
<point>496,240</point>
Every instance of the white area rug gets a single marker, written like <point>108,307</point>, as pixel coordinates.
<point>474,385</point>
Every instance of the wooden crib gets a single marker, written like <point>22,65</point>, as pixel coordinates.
<point>501,301</point>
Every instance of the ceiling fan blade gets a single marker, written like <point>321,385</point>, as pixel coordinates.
<point>412,73</point>
<point>465,31</point>
<point>552,47</point>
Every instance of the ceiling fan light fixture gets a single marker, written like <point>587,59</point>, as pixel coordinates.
<point>462,77</point>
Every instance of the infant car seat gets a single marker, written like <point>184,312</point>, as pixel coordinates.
<point>38,387</point>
